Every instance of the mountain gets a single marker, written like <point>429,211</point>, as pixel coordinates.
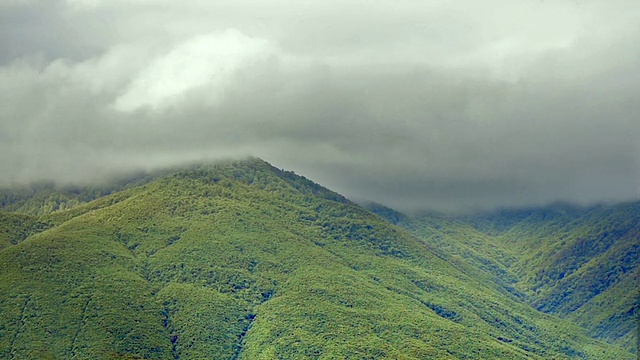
<point>241,260</point>
<point>576,262</point>
<point>45,197</point>
<point>583,265</point>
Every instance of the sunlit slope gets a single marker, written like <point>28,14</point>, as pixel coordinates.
<point>244,261</point>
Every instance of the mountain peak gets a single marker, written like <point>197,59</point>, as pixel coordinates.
<point>242,260</point>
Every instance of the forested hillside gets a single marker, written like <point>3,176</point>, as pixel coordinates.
<point>242,260</point>
<point>579,263</point>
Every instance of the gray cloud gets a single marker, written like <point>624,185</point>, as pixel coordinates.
<point>416,105</point>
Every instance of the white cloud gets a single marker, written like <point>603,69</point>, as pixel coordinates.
<point>209,61</point>
<point>444,104</point>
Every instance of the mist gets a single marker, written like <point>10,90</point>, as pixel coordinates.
<point>427,105</point>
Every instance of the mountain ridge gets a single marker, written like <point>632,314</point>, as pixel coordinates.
<point>242,260</point>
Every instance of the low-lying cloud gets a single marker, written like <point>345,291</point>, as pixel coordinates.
<point>433,106</point>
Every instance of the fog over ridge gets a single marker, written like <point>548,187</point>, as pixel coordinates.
<point>412,104</point>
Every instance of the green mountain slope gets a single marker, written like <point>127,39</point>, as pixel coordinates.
<point>14,228</point>
<point>579,263</point>
<point>590,255</point>
<point>244,261</point>
<point>457,241</point>
<point>45,197</point>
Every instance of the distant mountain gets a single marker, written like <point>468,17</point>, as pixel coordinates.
<point>579,263</point>
<point>242,260</point>
<point>45,197</point>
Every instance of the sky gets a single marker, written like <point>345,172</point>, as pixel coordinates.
<point>431,104</point>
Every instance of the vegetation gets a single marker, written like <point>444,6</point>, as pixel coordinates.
<point>583,265</point>
<point>242,260</point>
<point>579,263</point>
<point>14,228</point>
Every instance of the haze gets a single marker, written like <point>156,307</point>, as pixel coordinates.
<point>416,104</point>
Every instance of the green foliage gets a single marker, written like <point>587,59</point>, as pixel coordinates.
<point>202,321</point>
<point>589,261</point>
<point>579,263</point>
<point>244,261</point>
<point>14,228</point>
<point>41,198</point>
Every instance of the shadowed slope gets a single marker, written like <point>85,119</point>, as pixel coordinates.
<point>579,263</point>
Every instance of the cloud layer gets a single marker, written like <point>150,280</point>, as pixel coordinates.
<point>419,105</point>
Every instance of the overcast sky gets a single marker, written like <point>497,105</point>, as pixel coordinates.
<point>446,105</point>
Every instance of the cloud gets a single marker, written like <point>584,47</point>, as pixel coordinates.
<point>438,105</point>
<point>205,61</point>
